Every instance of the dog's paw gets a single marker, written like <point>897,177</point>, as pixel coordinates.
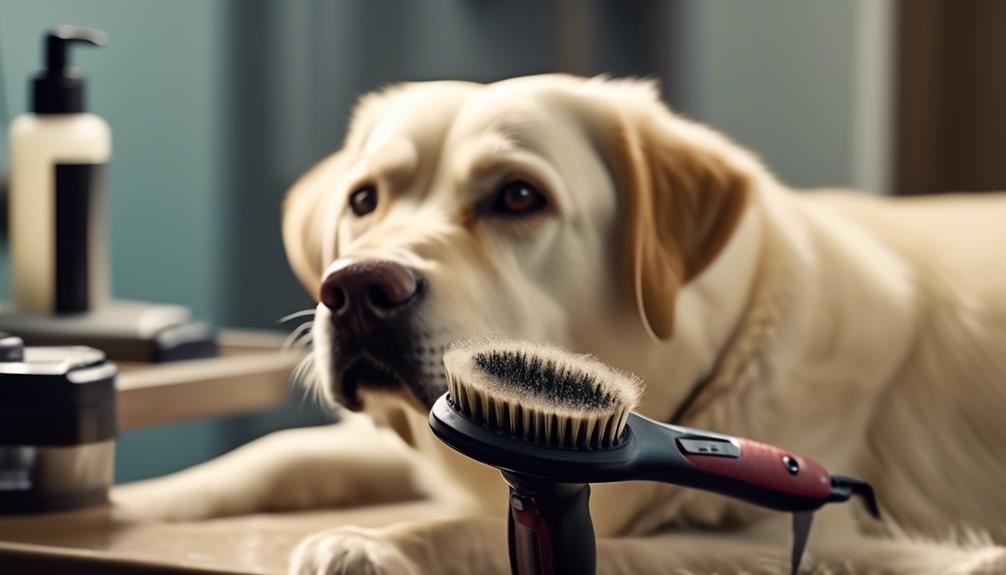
<point>349,550</point>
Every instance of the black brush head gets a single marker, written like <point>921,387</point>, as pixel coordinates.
<point>539,394</point>
<point>561,384</point>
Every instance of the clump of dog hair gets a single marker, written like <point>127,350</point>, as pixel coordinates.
<point>540,393</point>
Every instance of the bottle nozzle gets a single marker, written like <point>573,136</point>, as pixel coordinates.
<point>59,89</point>
<point>57,40</point>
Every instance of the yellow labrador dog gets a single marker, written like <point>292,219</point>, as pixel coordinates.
<point>869,334</point>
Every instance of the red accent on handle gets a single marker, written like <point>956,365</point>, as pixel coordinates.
<point>533,537</point>
<point>762,465</point>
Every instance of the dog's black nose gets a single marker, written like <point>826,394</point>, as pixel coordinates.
<point>372,290</point>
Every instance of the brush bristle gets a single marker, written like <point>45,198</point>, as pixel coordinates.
<point>540,394</point>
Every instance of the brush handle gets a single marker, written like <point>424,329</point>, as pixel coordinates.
<point>768,475</point>
<point>549,527</point>
<point>736,467</point>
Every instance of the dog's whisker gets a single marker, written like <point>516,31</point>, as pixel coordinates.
<point>304,373</point>
<point>303,342</point>
<point>295,315</point>
<point>295,375</point>
<point>304,339</point>
<point>299,331</point>
<point>311,382</point>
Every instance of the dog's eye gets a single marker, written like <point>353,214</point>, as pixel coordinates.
<point>517,198</point>
<point>363,201</point>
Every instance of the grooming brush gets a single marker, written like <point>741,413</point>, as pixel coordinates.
<point>554,422</point>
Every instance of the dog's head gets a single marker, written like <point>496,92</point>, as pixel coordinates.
<point>543,208</point>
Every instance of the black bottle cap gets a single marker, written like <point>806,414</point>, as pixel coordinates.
<point>59,89</point>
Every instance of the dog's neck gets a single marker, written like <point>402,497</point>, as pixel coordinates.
<point>765,321</point>
<point>708,311</point>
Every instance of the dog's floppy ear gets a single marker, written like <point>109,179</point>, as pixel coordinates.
<point>306,211</point>
<point>684,189</point>
<point>309,214</point>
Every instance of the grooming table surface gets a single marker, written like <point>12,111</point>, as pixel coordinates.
<point>95,541</point>
<point>250,374</point>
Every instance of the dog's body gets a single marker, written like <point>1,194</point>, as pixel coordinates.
<point>869,334</point>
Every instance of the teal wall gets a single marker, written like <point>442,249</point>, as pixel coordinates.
<point>157,84</point>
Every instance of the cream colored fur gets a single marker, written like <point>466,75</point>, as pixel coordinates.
<point>869,334</point>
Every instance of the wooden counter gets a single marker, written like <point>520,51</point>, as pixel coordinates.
<point>251,374</point>
<point>95,541</point>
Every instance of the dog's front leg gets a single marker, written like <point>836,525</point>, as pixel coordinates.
<point>349,463</point>
<point>446,547</point>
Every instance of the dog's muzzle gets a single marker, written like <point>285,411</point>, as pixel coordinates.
<point>370,304</point>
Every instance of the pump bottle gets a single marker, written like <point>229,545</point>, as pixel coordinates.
<point>58,190</point>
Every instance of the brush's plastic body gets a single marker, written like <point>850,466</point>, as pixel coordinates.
<point>648,450</point>
<point>652,451</point>
<point>549,529</point>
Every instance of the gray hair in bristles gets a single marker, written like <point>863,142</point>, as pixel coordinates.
<point>540,393</point>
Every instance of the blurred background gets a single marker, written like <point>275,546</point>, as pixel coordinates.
<point>217,106</point>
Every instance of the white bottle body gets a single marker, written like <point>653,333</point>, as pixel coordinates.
<point>38,144</point>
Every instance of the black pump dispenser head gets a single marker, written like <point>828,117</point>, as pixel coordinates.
<point>59,89</point>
